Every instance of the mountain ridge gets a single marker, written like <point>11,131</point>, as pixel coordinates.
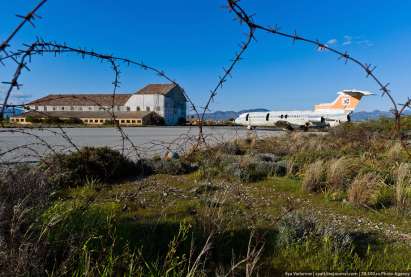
<point>356,116</point>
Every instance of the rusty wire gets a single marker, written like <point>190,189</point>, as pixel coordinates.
<point>246,18</point>
<point>24,56</point>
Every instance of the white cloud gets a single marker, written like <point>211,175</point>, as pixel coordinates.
<point>347,40</point>
<point>365,43</point>
<point>332,41</point>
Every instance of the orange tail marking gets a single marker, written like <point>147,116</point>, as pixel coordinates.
<point>343,102</point>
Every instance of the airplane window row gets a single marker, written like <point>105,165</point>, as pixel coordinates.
<point>267,117</point>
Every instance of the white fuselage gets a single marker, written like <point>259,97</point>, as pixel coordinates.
<point>294,118</point>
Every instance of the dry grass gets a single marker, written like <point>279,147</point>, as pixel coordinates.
<point>363,189</point>
<point>314,177</point>
<point>340,172</point>
<point>403,187</point>
<point>395,152</point>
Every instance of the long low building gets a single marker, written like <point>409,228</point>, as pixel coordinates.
<point>92,118</point>
<point>166,100</point>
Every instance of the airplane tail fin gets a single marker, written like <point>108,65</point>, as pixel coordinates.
<point>346,101</point>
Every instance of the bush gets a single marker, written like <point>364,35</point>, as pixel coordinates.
<point>363,188</point>
<point>33,119</point>
<point>314,177</point>
<point>403,187</point>
<point>340,172</point>
<point>252,171</point>
<point>172,167</point>
<point>51,120</point>
<point>231,148</point>
<point>103,164</point>
<point>295,227</point>
<point>153,119</point>
<point>383,196</point>
<point>395,152</point>
<point>24,193</point>
<point>72,120</point>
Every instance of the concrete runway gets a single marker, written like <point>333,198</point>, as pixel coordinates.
<point>30,144</point>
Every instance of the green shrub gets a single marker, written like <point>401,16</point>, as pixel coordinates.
<point>153,119</point>
<point>33,119</point>
<point>103,164</point>
<point>72,120</point>
<point>172,167</point>
<point>383,196</point>
<point>51,120</point>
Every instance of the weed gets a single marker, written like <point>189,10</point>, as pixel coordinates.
<point>314,177</point>
<point>363,189</point>
<point>340,172</point>
<point>403,187</point>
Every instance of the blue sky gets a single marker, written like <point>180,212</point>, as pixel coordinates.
<point>193,41</point>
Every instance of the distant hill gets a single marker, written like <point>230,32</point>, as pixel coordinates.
<point>357,116</point>
<point>226,115</point>
<point>361,116</point>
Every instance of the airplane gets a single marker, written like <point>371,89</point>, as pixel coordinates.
<point>323,116</point>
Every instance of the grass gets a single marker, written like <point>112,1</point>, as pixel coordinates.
<point>146,231</point>
<point>403,187</point>
<point>297,203</point>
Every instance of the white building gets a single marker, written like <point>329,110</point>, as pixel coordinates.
<point>167,100</point>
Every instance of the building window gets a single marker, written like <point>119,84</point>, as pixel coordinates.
<point>86,120</point>
<point>90,108</point>
<point>71,108</point>
<point>139,121</point>
<point>138,108</point>
<point>128,121</point>
<point>101,120</point>
<point>80,108</point>
<point>118,108</point>
<point>128,109</point>
<point>54,108</point>
<point>122,121</point>
<point>36,108</point>
<point>133,121</point>
<point>158,108</point>
<point>62,108</point>
<point>148,109</point>
<point>45,108</point>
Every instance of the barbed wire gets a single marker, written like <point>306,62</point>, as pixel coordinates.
<point>23,57</point>
<point>246,18</point>
<point>28,18</point>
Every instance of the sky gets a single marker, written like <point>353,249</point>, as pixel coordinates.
<point>193,40</point>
